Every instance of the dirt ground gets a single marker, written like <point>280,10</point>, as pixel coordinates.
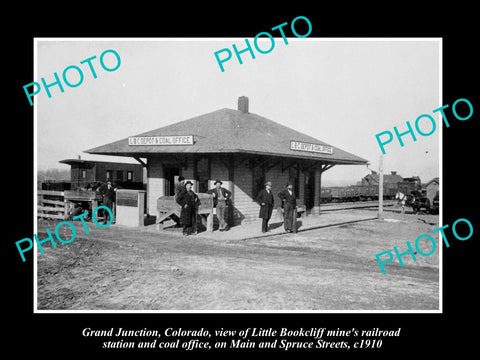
<point>332,268</point>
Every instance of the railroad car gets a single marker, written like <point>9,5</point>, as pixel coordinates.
<point>365,192</point>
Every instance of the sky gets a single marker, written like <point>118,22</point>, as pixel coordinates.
<point>340,91</point>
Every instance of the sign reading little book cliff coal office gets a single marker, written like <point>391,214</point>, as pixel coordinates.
<point>317,148</point>
<point>161,140</point>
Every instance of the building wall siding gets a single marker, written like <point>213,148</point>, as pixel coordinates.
<point>245,208</point>
<point>76,175</point>
<point>218,170</point>
<point>155,184</point>
<point>101,171</point>
<point>97,172</point>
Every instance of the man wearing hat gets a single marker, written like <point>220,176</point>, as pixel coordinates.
<point>180,186</point>
<point>289,205</point>
<point>188,200</point>
<point>265,199</point>
<point>108,195</point>
<point>221,198</point>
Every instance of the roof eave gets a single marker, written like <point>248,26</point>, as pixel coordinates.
<point>359,161</point>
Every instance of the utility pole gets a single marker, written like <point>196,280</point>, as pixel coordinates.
<point>380,188</point>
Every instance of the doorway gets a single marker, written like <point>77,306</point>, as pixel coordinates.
<point>171,176</point>
<point>309,189</point>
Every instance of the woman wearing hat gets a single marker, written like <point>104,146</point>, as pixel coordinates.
<point>188,200</point>
<point>265,199</point>
<point>221,197</point>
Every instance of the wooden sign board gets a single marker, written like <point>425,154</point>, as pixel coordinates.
<point>161,140</point>
<point>316,148</point>
<point>206,203</point>
<point>127,199</point>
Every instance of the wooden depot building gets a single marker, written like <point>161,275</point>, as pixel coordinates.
<point>83,172</point>
<point>242,149</point>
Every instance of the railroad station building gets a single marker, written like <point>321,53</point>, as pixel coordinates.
<point>240,148</point>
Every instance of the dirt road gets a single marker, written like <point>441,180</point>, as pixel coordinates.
<point>325,269</point>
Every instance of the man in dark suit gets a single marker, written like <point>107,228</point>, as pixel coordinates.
<point>109,198</point>
<point>221,199</point>
<point>266,200</point>
<point>289,205</point>
<point>180,186</point>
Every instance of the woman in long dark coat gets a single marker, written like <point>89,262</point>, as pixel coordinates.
<point>188,200</point>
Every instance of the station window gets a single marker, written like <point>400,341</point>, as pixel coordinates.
<point>84,174</point>
<point>109,174</point>
<point>130,176</point>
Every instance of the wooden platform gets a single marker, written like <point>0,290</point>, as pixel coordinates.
<point>168,211</point>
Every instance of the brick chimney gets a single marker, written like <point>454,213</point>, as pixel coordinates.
<point>243,104</point>
<point>394,173</point>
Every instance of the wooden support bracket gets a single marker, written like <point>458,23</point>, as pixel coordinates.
<point>293,163</point>
<point>326,167</point>
<point>140,161</point>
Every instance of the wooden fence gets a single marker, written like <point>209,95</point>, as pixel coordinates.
<point>52,204</point>
<point>58,204</point>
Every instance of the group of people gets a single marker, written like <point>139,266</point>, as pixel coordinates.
<point>107,191</point>
<point>288,200</point>
<point>189,202</point>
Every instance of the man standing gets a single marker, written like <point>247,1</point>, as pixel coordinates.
<point>289,205</point>
<point>188,200</point>
<point>108,195</point>
<point>180,186</point>
<point>221,197</point>
<point>265,199</point>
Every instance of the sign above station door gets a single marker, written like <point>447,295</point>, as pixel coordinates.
<point>161,140</point>
<point>316,148</point>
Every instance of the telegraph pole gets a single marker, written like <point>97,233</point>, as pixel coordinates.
<point>380,188</point>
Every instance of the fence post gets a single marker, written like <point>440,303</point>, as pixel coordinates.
<point>66,208</point>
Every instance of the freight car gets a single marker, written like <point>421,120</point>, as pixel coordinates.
<point>364,192</point>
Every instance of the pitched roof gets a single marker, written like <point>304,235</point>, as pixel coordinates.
<point>93,162</point>
<point>229,131</point>
<point>434,180</point>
